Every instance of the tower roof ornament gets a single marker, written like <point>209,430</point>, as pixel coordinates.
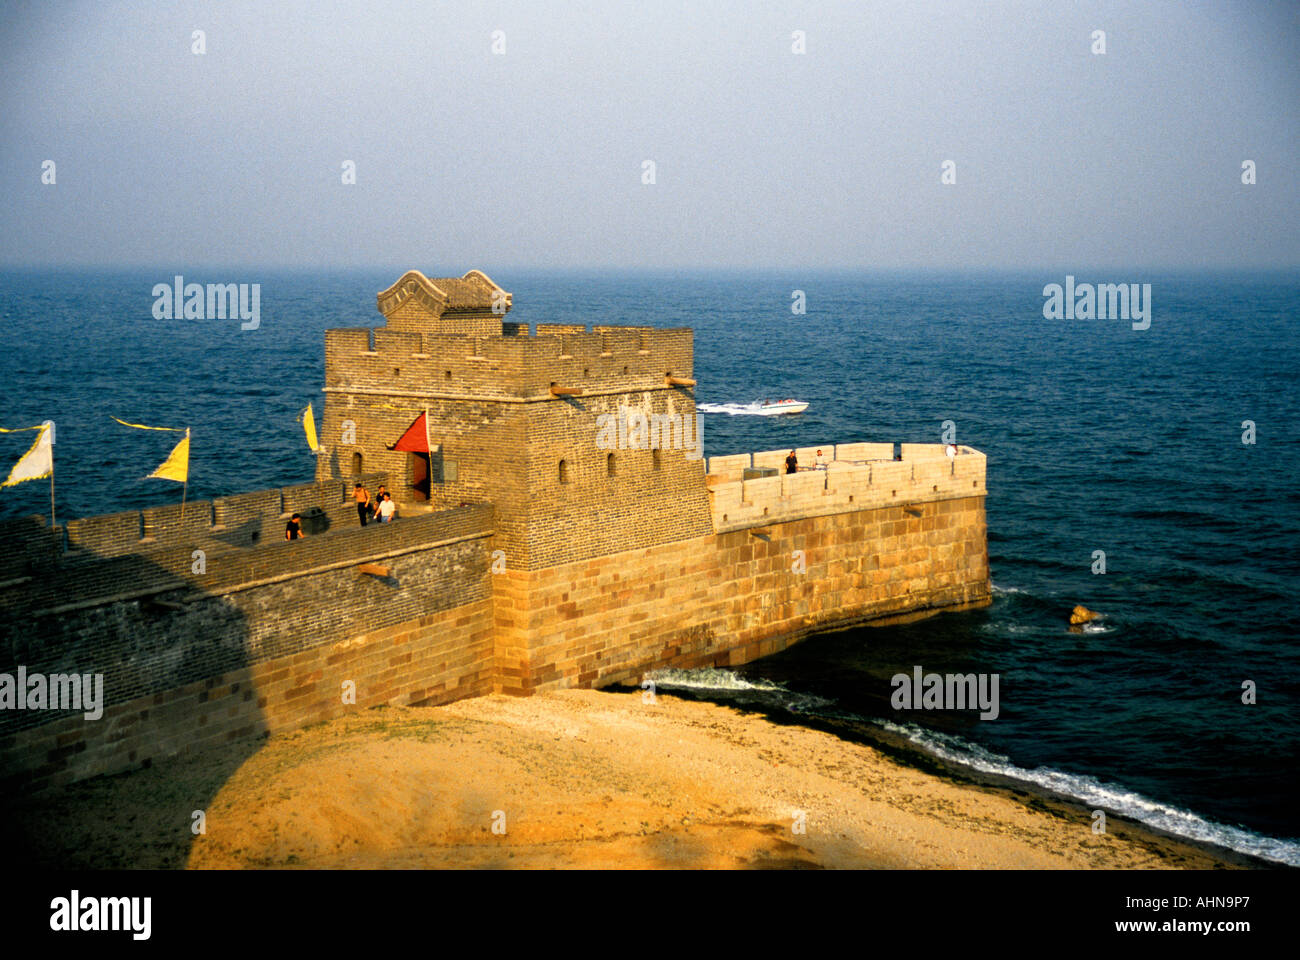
<point>473,295</point>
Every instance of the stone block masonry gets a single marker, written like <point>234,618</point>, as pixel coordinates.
<point>923,474</point>
<point>275,629</point>
<point>730,597</point>
<point>526,556</point>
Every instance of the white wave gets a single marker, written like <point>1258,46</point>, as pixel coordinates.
<point>1086,789</point>
<point>1001,628</point>
<point>1094,626</point>
<point>1005,590</point>
<point>706,678</point>
<point>1096,793</point>
<point>716,680</point>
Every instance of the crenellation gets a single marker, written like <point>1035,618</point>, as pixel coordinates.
<point>107,534</point>
<point>235,511</point>
<point>730,467</point>
<point>302,497</point>
<point>344,341</point>
<point>922,451</point>
<point>232,520</point>
<point>844,486</point>
<point>176,521</point>
<point>771,459</point>
<point>397,344</point>
<point>581,344</point>
<point>28,544</point>
<point>519,366</point>
<point>862,452</point>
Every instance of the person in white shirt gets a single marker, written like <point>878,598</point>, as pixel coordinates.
<point>821,460</point>
<point>386,509</point>
<point>952,450</point>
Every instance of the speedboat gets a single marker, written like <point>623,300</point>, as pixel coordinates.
<point>772,407</point>
<point>759,408</point>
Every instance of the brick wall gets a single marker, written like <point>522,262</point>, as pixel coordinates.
<point>162,635</point>
<point>441,657</point>
<point>731,597</point>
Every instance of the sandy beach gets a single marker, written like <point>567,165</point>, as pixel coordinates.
<point>580,778</point>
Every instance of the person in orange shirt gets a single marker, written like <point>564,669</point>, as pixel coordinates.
<point>362,496</point>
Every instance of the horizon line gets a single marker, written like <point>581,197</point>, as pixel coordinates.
<point>781,269</point>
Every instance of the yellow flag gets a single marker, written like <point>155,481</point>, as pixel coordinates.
<point>38,462</point>
<point>177,465</point>
<point>309,425</point>
<point>141,426</point>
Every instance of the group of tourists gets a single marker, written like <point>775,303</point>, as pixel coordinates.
<point>792,462</point>
<point>380,508</point>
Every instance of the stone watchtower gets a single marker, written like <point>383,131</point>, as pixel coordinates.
<point>514,419</point>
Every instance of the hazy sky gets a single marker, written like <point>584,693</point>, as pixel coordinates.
<point>764,158</point>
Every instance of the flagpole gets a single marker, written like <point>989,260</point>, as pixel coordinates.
<point>52,523</point>
<point>185,487</point>
<point>428,451</point>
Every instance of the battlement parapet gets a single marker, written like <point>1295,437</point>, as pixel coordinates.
<point>170,570</point>
<point>240,520</point>
<point>514,365</point>
<point>27,544</point>
<point>858,476</point>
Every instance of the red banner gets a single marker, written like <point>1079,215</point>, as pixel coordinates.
<point>415,439</point>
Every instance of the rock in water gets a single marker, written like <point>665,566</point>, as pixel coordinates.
<point>1082,614</point>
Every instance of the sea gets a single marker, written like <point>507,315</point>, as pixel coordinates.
<point>1172,450</point>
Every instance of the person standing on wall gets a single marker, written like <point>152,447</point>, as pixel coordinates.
<point>792,463</point>
<point>293,529</point>
<point>362,496</point>
<point>386,509</point>
<point>376,503</point>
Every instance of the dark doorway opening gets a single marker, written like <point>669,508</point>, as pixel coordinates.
<point>420,476</point>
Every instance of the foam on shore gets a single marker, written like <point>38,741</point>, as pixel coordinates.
<point>726,686</point>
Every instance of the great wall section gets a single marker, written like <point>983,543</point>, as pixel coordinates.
<point>525,557</point>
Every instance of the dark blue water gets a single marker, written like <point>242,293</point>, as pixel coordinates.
<point>1099,437</point>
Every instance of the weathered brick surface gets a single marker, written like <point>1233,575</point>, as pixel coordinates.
<point>149,623</point>
<point>731,597</point>
<point>441,657</point>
